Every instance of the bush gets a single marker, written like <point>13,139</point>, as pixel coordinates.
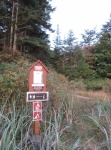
<point>78,84</point>
<point>96,84</point>
<point>14,77</point>
<point>107,86</point>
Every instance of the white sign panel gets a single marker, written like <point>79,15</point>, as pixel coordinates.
<point>38,77</point>
<point>38,67</point>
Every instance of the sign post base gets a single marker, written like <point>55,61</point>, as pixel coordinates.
<point>36,127</point>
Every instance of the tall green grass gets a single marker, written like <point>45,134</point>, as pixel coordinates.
<point>101,121</point>
<point>16,125</point>
<point>57,132</point>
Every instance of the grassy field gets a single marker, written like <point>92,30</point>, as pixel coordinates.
<point>74,123</point>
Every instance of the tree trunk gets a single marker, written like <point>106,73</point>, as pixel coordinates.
<point>4,41</point>
<point>15,33</point>
<point>11,31</point>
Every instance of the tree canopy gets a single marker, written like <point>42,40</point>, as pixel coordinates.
<point>23,24</point>
<point>90,58</point>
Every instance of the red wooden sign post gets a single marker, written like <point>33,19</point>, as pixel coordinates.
<point>37,91</point>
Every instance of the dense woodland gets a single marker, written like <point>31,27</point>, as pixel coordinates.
<point>23,29</point>
<point>23,25</point>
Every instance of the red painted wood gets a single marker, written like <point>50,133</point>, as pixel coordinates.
<point>31,70</point>
<point>36,129</point>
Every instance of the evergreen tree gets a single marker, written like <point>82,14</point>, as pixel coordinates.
<point>57,46</point>
<point>71,40</point>
<point>23,24</point>
<point>102,52</point>
<point>107,27</point>
<point>89,37</point>
<point>57,40</point>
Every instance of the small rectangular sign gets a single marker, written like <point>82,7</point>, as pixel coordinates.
<point>38,67</point>
<point>37,96</point>
<point>38,77</point>
<point>37,106</point>
<point>37,116</point>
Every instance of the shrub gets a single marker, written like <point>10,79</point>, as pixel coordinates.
<point>96,84</point>
<point>107,86</point>
<point>14,78</point>
<point>78,84</point>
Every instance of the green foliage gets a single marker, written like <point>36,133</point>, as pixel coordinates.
<point>103,59</point>
<point>14,76</point>
<point>74,65</point>
<point>16,129</point>
<point>70,41</point>
<point>14,123</point>
<point>82,71</point>
<point>102,53</point>
<point>64,124</point>
<point>24,25</point>
<point>78,84</point>
<point>97,48</point>
<point>34,42</point>
<point>89,37</point>
<point>101,119</point>
<point>95,84</point>
<point>57,85</point>
<point>57,40</point>
<point>107,86</point>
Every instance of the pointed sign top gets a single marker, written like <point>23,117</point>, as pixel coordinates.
<point>39,63</point>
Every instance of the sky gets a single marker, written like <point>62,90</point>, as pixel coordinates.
<point>79,15</point>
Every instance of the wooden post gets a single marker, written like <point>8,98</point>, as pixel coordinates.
<point>36,128</point>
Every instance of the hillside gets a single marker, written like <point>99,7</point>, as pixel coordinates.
<point>73,118</point>
<point>14,74</point>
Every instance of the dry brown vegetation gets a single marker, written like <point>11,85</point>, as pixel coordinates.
<point>97,95</point>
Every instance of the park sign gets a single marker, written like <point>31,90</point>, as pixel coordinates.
<point>37,96</point>
<point>37,91</point>
<point>37,77</point>
<point>37,111</point>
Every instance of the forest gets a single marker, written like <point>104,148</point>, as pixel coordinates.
<point>77,115</point>
<point>24,26</point>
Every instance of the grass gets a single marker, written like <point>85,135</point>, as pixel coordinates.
<point>16,125</point>
<point>102,120</point>
<point>73,118</point>
<point>73,125</point>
